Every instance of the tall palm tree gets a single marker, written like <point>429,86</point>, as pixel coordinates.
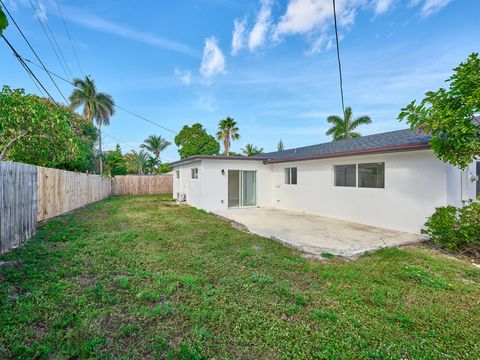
<point>227,131</point>
<point>137,162</point>
<point>155,144</point>
<point>343,128</point>
<point>251,150</point>
<point>96,105</point>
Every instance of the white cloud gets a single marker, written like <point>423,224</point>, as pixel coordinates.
<point>41,11</point>
<point>184,75</point>
<point>259,32</point>
<point>382,6</point>
<point>238,38</point>
<point>304,16</point>
<point>94,22</point>
<point>432,6</point>
<point>313,18</point>
<point>206,102</point>
<point>213,61</point>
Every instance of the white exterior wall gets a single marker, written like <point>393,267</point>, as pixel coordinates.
<point>415,183</point>
<point>215,185</point>
<point>210,191</point>
<point>186,185</point>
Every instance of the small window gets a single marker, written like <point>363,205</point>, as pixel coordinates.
<point>177,174</point>
<point>194,173</point>
<point>346,175</point>
<point>291,176</point>
<point>371,175</point>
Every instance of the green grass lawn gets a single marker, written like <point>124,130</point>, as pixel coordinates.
<point>140,277</point>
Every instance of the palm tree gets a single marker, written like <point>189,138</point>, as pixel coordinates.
<point>155,144</point>
<point>250,150</point>
<point>227,130</point>
<point>137,162</point>
<point>343,128</point>
<point>98,106</point>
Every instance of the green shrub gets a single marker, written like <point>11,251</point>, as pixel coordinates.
<point>456,229</point>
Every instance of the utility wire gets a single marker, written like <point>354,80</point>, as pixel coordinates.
<point>27,69</point>
<point>338,57</point>
<point>34,52</point>
<point>58,53</point>
<point>69,37</point>
<point>117,106</point>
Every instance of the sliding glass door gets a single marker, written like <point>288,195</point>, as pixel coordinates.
<point>249,189</point>
<point>242,188</point>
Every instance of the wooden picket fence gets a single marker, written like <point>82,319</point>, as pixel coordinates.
<point>142,184</point>
<point>18,204</point>
<point>30,194</point>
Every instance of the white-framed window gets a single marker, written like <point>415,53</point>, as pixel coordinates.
<point>371,175</point>
<point>194,173</point>
<point>291,176</point>
<point>345,175</point>
<point>177,174</point>
<point>365,175</point>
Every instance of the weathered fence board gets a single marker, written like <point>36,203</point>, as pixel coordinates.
<point>30,194</point>
<point>18,204</point>
<point>61,191</point>
<point>142,184</point>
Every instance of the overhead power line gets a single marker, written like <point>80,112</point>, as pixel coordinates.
<point>69,37</point>
<point>33,50</point>
<point>56,48</point>
<point>117,106</point>
<point>28,70</point>
<point>338,57</point>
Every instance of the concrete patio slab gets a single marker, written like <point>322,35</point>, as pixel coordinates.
<point>315,235</point>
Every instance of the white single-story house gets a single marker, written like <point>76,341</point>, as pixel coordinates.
<point>390,180</point>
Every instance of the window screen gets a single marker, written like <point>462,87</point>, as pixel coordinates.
<point>371,175</point>
<point>346,175</point>
<point>291,176</point>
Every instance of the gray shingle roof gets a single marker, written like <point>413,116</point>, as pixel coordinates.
<point>400,140</point>
<point>387,140</point>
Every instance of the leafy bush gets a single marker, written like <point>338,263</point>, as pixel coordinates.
<point>37,131</point>
<point>456,229</point>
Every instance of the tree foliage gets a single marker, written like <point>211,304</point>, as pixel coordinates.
<point>451,115</point>
<point>155,144</point>
<point>96,105</point>
<point>280,146</point>
<point>194,140</point>
<point>137,162</point>
<point>251,150</point>
<point>343,128</point>
<point>227,132</point>
<point>37,131</point>
<point>115,163</point>
<point>3,21</point>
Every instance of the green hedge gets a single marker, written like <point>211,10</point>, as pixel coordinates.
<point>456,229</point>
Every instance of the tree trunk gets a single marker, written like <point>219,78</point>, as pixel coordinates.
<point>226,145</point>
<point>10,144</point>
<point>100,147</point>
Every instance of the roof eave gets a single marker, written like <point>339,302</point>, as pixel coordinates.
<point>212,157</point>
<point>378,150</point>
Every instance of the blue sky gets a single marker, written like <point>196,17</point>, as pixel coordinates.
<point>270,64</point>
